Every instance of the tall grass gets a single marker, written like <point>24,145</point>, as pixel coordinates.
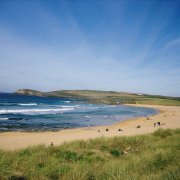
<point>153,156</point>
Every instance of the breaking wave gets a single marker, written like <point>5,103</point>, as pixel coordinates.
<point>27,104</point>
<point>35,111</point>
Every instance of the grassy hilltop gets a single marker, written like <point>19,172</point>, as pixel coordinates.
<point>107,97</point>
<point>152,157</point>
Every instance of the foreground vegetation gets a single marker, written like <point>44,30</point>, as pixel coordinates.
<point>153,156</point>
<point>108,97</point>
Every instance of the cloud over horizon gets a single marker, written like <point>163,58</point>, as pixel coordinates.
<point>123,45</point>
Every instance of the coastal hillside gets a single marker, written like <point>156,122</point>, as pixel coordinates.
<point>106,97</point>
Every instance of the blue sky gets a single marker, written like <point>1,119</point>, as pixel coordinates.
<point>121,45</point>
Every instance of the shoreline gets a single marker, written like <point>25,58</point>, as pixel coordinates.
<point>167,115</point>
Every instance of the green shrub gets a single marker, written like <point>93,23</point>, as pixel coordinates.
<point>116,153</point>
<point>163,133</point>
<point>160,161</point>
<point>70,156</point>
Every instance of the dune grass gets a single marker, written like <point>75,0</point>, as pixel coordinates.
<point>153,156</point>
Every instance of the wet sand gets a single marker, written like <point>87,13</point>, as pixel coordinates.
<point>169,117</point>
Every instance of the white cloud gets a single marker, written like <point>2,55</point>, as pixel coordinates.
<point>172,43</point>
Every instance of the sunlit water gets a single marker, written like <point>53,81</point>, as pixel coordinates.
<point>30,113</point>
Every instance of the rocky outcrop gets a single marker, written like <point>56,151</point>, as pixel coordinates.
<point>29,92</point>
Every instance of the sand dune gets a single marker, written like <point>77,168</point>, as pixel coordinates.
<point>169,117</point>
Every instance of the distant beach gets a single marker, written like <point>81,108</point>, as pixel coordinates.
<point>168,117</point>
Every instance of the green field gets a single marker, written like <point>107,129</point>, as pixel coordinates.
<point>154,156</point>
<point>108,97</point>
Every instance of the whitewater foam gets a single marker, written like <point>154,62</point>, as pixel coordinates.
<point>68,106</point>
<point>87,117</point>
<point>27,104</point>
<point>7,104</point>
<point>36,111</point>
<point>66,101</point>
<point>76,106</point>
<point>4,118</point>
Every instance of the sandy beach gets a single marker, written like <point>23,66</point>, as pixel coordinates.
<point>169,117</point>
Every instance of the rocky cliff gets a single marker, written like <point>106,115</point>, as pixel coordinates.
<point>30,92</point>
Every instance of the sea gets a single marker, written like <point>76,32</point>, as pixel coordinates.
<point>32,113</point>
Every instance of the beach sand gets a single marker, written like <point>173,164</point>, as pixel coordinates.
<point>169,116</point>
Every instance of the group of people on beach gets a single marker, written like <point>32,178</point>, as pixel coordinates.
<point>108,130</point>
<point>155,124</point>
